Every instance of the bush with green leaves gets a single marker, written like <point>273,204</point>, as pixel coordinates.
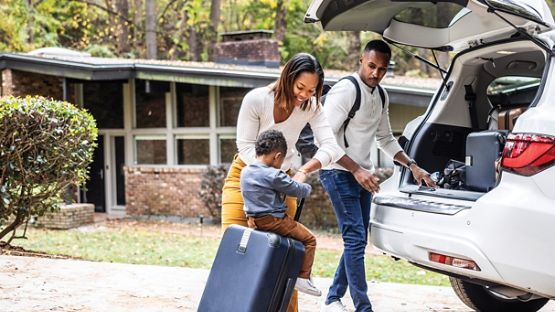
<point>45,146</point>
<point>210,192</point>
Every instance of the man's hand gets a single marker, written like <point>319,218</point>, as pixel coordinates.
<point>421,175</point>
<point>367,180</point>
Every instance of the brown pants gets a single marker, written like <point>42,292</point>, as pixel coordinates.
<point>232,208</point>
<point>290,228</point>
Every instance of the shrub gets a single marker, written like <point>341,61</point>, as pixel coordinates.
<point>45,146</point>
<point>210,192</point>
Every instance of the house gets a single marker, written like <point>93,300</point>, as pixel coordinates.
<point>162,122</point>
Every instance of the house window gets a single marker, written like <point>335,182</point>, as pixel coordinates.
<point>228,149</point>
<point>151,150</point>
<point>192,105</point>
<point>150,109</point>
<point>193,151</point>
<point>229,104</point>
<point>104,100</point>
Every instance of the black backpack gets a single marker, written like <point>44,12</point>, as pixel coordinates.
<point>305,144</point>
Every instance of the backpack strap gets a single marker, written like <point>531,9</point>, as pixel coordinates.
<point>354,108</point>
<point>382,95</point>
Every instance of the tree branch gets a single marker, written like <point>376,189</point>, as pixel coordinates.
<point>104,9</point>
<point>166,9</point>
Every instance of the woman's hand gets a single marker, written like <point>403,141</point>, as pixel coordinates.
<point>367,180</point>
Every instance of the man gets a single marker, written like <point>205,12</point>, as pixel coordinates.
<point>350,185</point>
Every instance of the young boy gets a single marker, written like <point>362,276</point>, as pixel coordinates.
<point>264,186</point>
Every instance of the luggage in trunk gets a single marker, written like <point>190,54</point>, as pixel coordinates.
<point>483,149</point>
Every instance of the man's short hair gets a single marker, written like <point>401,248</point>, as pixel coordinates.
<point>379,46</point>
<point>270,141</point>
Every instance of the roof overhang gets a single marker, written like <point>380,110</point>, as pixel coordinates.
<point>229,76</point>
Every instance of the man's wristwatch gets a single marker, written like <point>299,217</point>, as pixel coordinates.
<point>411,162</point>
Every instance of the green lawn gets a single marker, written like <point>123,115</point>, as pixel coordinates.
<point>141,246</point>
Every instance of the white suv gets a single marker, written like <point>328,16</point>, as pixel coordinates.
<point>491,225</point>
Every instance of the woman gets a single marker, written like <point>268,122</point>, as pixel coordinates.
<point>286,105</point>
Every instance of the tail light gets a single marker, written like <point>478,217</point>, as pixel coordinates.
<point>453,261</point>
<point>528,154</point>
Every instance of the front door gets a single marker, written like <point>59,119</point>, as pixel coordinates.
<point>94,191</point>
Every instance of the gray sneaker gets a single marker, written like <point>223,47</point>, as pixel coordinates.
<point>306,286</point>
<point>335,306</point>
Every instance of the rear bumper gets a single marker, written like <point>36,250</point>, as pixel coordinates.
<point>509,237</point>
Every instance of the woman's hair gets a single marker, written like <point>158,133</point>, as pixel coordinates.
<point>298,64</point>
<point>270,141</point>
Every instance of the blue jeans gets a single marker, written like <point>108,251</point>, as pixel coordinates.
<point>351,203</point>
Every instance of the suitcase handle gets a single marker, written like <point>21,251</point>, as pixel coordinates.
<point>299,209</point>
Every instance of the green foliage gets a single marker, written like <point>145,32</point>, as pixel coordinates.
<point>184,30</point>
<point>100,51</point>
<point>45,146</point>
<point>210,192</point>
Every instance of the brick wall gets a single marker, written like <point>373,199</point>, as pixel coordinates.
<point>69,216</point>
<point>262,52</point>
<point>173,192</point>
<point>170,191</point>
<point>20,83</point>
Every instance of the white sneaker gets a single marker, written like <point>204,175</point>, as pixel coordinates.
<point>335,306</point>
<point>306,286</point>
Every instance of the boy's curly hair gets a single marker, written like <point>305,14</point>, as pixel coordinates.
<point>270,141</point>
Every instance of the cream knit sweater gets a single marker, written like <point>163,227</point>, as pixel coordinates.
<point>371,122</point>
<point>257,115</point>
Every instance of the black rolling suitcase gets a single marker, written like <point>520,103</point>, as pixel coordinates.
<point>482,150</point>
<point>253,271</point>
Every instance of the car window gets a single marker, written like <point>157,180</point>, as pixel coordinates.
<point>513,91</point>
<point>439,15</point>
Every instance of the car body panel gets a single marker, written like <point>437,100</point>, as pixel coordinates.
<point>505,233</point>
<point>472,25</point>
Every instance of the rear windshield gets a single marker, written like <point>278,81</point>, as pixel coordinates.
<point>439,15</point>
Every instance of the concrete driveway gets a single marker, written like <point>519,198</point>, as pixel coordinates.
<point>40,284</point>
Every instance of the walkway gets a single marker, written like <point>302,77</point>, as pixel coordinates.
<point>40,284</point>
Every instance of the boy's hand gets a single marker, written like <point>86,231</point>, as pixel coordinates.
<point>299,177</point>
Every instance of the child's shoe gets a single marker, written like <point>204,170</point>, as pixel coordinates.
<point>306,286</point>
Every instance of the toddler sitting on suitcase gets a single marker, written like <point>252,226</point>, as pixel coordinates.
<point>264,186</point>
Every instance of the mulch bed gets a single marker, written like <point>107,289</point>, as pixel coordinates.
<point>9,250</point>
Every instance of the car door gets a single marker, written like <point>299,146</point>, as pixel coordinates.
<point>459,24</point>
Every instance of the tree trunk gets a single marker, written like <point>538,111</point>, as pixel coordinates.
<point>150,29</point>
<point>19,218</point>
<point>122,7</point>
<point>175,51</point>
<point>30,21</point>
<point>281,20</point>
<point>194,45</point>
<point>137,29</point>
<point>213,28</point>
<point>354,50</point>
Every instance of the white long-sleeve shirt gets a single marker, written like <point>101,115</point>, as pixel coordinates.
<point>257,115</point>
<point>371,122</point>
